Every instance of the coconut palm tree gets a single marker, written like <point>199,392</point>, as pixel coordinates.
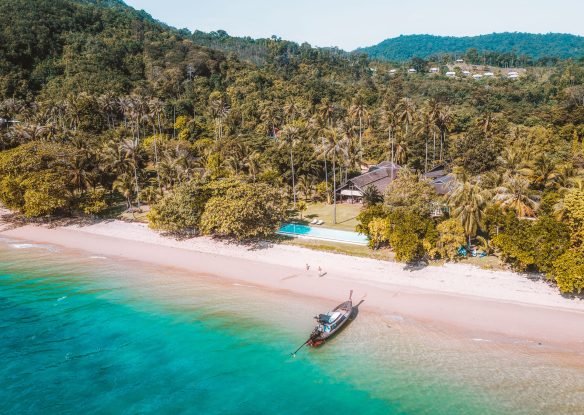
<point>306,186</point>
<point>123,185</point>
<point>406,112</point>
<point>358,111</point>
<point>425,127</point>
<point>290,136</point>
<point>132,152</point>
<point>335,145</point>
<point>371,196</point>
<point>543,170</point>
<point>253,163</point>
<point>291,108</point>
<point>270,115</point>
<point>515,195</point>
<point>444,121</point>
<point>390,122</point>
<point>468,202</point>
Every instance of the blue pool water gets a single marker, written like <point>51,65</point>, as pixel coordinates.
<point>315,232</point>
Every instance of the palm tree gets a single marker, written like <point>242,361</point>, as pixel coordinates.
<point>390,121</point>
<point>371,196</point>
<point>306,186</point>
<point>511,160</point>
<point>359,111</point>
<point>515,195</point>
<point>123,184</point>
<point>543,171</point>
<point>290,135</point>
<point>335,145</point>
<point>444,122</point>
<point>406,113</point>
<point>326,111</point>
<point>290,110</point>
<point>270,116</point>
<point>253,163</point>
<point>132,152</point>
<point>468,202</point>
<point>425,127</point>
<point>219,110</point>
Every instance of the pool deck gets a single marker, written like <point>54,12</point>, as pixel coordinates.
<point>321,237</point>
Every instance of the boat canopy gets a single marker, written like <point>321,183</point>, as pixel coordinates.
<point>329,317</point>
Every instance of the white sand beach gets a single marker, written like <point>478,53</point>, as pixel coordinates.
<point>458,297</point>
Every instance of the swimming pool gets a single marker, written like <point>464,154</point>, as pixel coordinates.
<point>313,232</point>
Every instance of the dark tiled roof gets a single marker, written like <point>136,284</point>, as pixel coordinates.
<point>383,164</point>
<point>380,178</point>
<point>437,171</point>
<point>442,184</point>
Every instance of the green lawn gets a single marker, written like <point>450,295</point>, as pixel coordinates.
<point>346,215</point>
<point>341,248</point>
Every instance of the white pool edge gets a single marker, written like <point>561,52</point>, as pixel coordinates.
<point>295,235</point>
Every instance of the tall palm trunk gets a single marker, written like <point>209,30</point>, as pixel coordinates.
<point>426,162</point>
<point>334,190</point>
<point>293,179</point>
<point>360,134</point>
<point>156,153</point>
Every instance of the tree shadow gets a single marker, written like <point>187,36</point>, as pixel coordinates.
<point>416,266</point>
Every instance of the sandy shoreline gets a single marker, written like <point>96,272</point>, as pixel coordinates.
<point>458,297</point>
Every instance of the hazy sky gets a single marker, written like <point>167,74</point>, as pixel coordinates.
<point>353,23</point>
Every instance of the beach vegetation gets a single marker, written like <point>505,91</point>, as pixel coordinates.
<point>219,134</point>
<point>451,237</point>
<point>180,211</point>
<point>245,211</point>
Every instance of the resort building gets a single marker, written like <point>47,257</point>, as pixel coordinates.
<point>378,176</point>
<point>513,75</point>
<point>489,74</point>
<point>477,76</point>
<point>434,70</point>
<point>392,71</point>
<point>466,73</point>
<point>412,70</point>
<point>381,175</point>
<point>460,60</point>
<point>451,74</point>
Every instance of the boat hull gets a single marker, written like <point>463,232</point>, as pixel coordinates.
<point>319,338</point>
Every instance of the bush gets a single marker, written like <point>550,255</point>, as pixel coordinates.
<point>532,245</point>
<point>245,211</point>
<point>379,232</point>
<point>180,211</point>
<point>410,191</point>
<point>450,238</point>
<point>568,271</point>
<point>410,234</point>
<point>366,216</point>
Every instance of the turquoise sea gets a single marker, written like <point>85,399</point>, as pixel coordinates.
<point>88,334</point>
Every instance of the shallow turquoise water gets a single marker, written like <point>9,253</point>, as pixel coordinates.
<point>94,335</point>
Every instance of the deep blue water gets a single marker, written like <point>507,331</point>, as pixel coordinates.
<point>91,335</point>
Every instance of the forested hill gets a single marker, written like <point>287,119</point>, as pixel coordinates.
<point>534,45</point>
<point>55,47</point>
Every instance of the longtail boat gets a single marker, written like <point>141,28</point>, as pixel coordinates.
<point>329,324</point>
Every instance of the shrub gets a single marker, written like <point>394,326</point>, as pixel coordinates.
<point>568,271</point>
<point>450,238</point>
<point>245,211</point>
<point>180,211</point>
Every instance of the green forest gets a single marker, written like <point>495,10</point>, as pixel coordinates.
<point>496,48</point>
<point>101,106</point>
